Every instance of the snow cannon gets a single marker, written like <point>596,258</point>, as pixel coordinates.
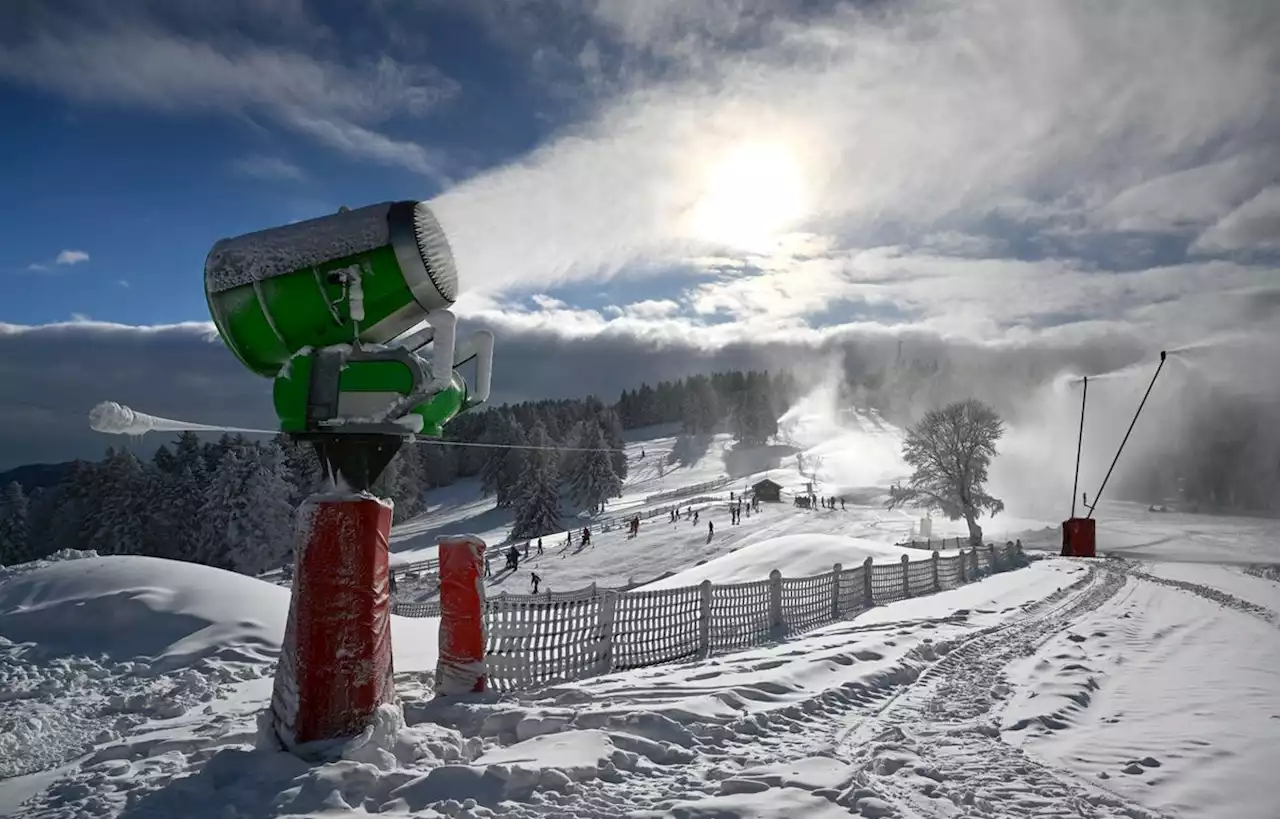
<point>1079,535</point>
<point>349,314</point>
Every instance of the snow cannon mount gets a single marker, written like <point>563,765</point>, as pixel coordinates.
<point>349,315</point>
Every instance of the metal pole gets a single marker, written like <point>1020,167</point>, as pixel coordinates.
<point>1126,435</point>
<point>1079,445</point>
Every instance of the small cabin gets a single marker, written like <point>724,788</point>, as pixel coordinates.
<point>767,490</point>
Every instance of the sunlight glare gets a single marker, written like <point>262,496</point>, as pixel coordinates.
<point>750,196</point>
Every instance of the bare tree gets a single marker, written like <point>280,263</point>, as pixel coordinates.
<point>950,450</point>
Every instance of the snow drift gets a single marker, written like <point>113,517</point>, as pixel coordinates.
<point>142,607</point>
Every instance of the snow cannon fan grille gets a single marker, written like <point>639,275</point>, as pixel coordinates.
<point>369,274</point>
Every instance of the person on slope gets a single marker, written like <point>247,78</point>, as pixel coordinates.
<point>586,536</point>
<point>711,530</point>
<point>539,545</point>
<point>535,580</point>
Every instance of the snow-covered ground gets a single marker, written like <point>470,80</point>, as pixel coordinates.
<point>1146,685</point>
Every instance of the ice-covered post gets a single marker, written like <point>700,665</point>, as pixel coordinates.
<point>335,665</point>
<point>906,576</point>
<point>868,588</point>
<point>835,591</point>
<point>775,600</point>
<point>461,667</point>
<point>704,617</point>
<point>937,579</point>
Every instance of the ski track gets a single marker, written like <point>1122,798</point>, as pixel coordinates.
<point>918,741</point>
<point>1210,593</point>
<point>936,750</point>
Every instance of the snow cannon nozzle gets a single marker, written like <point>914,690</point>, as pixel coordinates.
<point>1163,354</point>
<point>349,314</point>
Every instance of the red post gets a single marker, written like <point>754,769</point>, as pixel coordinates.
<point>1079,537</point>
<point>461,668</point>
<point>335,667</point>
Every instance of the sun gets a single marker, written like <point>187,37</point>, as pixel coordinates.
<point>749,196</point>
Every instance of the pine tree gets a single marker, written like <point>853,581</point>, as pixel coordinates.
<point>754,417</point>
<point>592,480</point>
<point>117,506</point>
<point>15,530</point>
<point>247,518</point>
<point>502,471</point>
<point>538,507</point>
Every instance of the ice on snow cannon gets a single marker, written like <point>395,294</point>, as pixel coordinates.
<point>278,291</point>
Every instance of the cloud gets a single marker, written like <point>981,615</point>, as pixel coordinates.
<point>1017,151</point>
<point>270,168</point>
<point>1255,225</point>
<point>56,373</point>
<point>64,258</point>
<point>71,257</point>
<point>134,62</point>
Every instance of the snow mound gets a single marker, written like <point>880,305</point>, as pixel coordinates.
<point>130,607</point>
<point>793,555</point>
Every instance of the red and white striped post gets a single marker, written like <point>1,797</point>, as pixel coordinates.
<point>461,667</point>
<point>335,666</point>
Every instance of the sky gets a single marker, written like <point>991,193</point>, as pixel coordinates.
<point>637,189</point>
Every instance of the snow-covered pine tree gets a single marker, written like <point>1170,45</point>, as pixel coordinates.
<point>117,506</point>
<point>303,467</point>
<point>611,429</point>
<point>754,418</point>
<point>437,463</point>
<point>502,471</point>
<point>538,507</point>
<point>592,480</point>
<point>247,517</point>
<point>15,529</point>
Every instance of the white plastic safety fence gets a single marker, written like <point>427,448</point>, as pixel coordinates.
<point>695,489</point>
<point>533,640</point>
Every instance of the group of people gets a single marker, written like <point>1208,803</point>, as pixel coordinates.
<point>690,514</point>
<point>813,501</point>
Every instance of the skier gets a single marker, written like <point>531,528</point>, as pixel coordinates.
<point>533,578</point>
<point>488,567</point>
<point>842,504</point>
<point>391,583</point>
<point>695,518</point>
<point>526,550</point>
<point>513,558</point>
<point>711,530</point>
<point>586,536</point>
<point>539,545</point>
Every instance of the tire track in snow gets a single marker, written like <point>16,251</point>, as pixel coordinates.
<point>936,751</point>
<point>817,725</point>
<point>1218,596</point>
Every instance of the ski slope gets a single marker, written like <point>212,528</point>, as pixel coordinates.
<point>1145,685</point>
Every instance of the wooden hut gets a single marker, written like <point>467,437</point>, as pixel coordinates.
<point>767,490</point>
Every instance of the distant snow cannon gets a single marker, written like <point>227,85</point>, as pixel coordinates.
<point>1079,535</point>
<point>340,311</point>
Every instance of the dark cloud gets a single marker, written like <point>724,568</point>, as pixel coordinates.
<point>51,376</point>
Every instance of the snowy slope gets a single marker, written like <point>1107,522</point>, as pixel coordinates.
<point>1139,687</point>
<point>854,454</point>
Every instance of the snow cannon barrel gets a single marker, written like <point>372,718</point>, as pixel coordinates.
<point>369,275</point>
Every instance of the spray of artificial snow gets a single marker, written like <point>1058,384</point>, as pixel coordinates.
<point>117,419</point>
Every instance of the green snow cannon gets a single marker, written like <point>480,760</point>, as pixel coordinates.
<point>335,309</point>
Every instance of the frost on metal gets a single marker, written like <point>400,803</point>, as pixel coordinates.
<point>278,251</point>
<point>461,666</point>
<point>336,667</point>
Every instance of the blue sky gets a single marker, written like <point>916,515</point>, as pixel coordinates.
<point>699,176</point>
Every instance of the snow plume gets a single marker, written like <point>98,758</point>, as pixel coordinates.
<point>1211,396</point>
<point>117,419</point>
<point>843,446</point>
